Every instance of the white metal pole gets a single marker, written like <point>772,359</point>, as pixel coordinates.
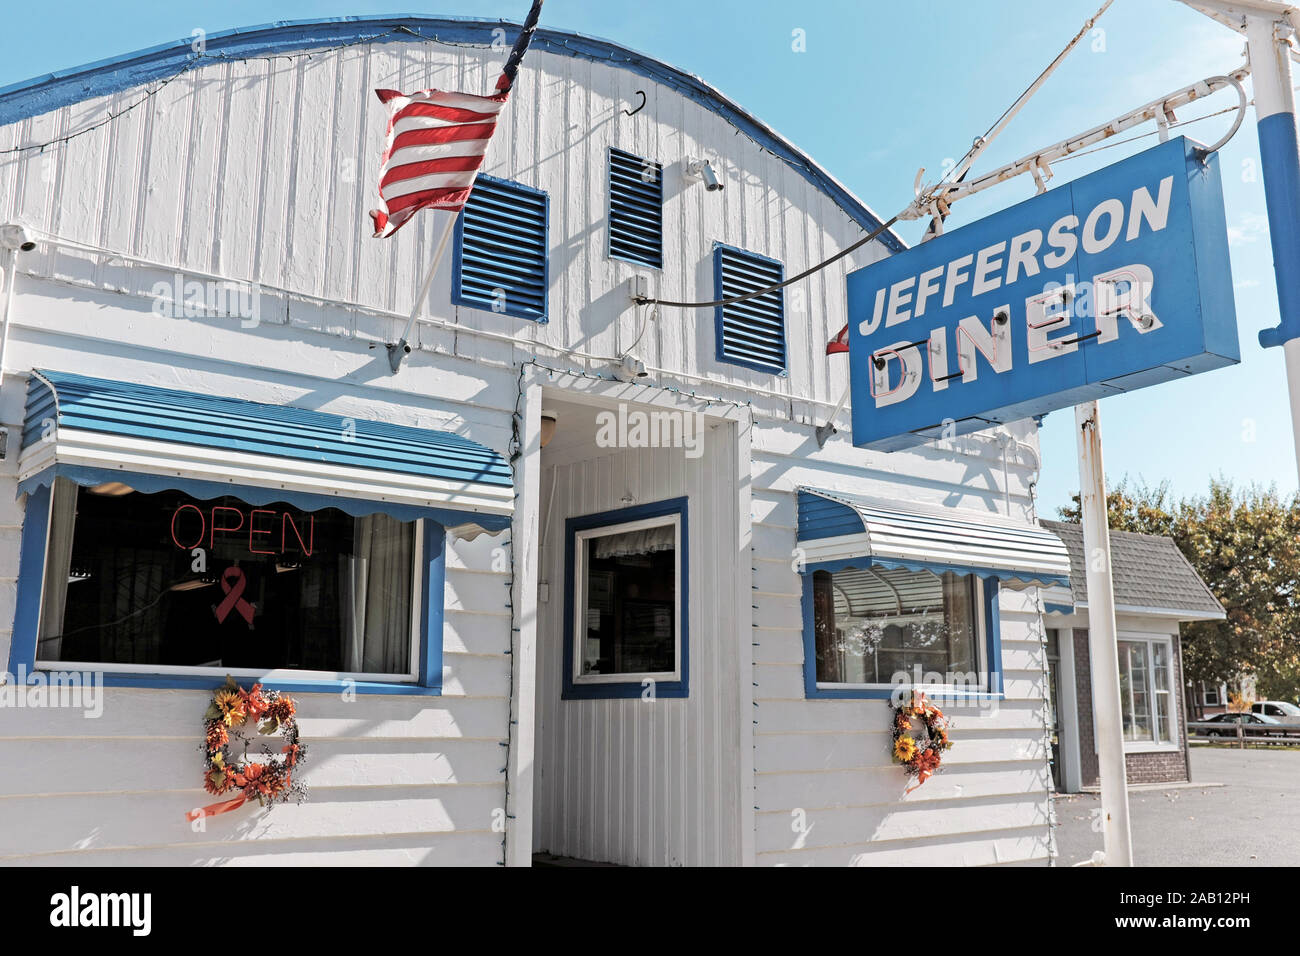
<point>398,351</point>
<point>525,546</point>
<point>1268,40</point>
<point>1103,646</point>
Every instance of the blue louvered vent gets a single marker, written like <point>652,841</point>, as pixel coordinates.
<point>501,250</point>
<point>636,209</point>
<point>749,333</point>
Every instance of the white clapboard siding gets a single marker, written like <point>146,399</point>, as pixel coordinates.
<point>393,780</point>
<point>629,781</point>
<point>825,790</point>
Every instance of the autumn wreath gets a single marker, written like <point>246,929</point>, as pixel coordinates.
<point>267,780</point>
<point>920,736</point>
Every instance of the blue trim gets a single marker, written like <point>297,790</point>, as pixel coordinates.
<point>1280,159</point>
<point>458,294</point>
<point>62,88</point>
<point>207,490</point>
<point>992,633</point>
<point>31,582</point>
<point>822,517</point>
<point>434,554</point>
<point>738,319</point>
<point>631,689</point>
<point>1058,608</point>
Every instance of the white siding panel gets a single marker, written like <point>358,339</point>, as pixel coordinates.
<point>631,781</point>
<point>392,780</point>
<point>824,764</point>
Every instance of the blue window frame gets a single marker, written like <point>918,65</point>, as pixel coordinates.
<point>749,333</point>
<point>500,262</point>
<point>636,209</point>
<point>626,577</point>
<point>427,609</point>
<point>988,638</point>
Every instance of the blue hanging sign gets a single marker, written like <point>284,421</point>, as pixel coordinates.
<point>1112,282</point>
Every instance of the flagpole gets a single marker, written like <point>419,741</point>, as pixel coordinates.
<point>398,350</point>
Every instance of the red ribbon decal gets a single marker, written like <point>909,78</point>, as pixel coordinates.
<point>233,584</point>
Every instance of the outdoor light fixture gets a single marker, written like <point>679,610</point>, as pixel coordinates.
<point>633,367</point>
<point>549,419</point>
<point>701,170</point>
<point>15,237</point>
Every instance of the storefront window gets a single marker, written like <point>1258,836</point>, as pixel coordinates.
<point>1146,703</point>
<point>628,607</point>
<point>878,626</point>
<point>166,582</point>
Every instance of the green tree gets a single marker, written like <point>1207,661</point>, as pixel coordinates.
<point>1245,545</point>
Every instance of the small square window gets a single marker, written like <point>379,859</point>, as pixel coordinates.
<point>626,602</point>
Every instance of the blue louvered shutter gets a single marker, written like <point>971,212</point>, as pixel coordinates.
<point>749,333</point>
<point>636,209</point>
<point>500,263</point>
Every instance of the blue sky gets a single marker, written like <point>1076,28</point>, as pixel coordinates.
<point>882,89</point>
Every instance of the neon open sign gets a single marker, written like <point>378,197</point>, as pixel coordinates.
<point>266,530</point>
<point>1115,281</point>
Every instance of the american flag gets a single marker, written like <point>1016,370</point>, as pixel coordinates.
<point>436,142</point>
<point>840,343</point>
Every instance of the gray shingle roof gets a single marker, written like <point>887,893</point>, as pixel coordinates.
<point>1148,572</point>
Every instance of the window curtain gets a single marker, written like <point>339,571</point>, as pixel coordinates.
<point>645,541</point>
<point>959,614</point>
<point>377,597</point>
<point>58,568</point>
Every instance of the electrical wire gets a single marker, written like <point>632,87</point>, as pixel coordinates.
<point>963,166</point>
<point>852,247</point>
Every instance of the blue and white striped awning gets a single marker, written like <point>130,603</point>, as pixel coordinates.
<point>93,431</point>
<point>834,527</point>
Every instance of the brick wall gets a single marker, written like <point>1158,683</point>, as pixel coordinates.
<point>1163,767</point>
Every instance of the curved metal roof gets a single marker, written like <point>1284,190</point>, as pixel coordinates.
<point>54,90</point>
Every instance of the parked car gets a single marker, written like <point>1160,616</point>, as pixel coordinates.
<point>1225,725</point>
<point>1280,710</point>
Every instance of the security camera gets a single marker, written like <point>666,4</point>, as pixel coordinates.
<point>701,170</point>
<point>16,238</point>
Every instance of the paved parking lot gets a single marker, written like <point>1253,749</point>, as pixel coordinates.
<point>1253,820</point>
